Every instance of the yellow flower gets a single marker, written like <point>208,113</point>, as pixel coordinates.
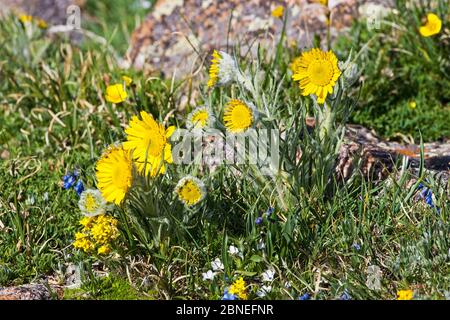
<point>105,249</point>
<point>238,116</point>
<point>238,289</point>
<point>115,93</point>
<point>405,295</point>
<point>86,222</point>
<point>432,26</point>
<point>82,242</point>
<point>190,190</point>
<point>295,65</point>
<point>104,229</point>
<point>278,12</point>
<point>114,174</point>
<point>317,73</point>
<point>80,235</point>
<point>214,69</point>
<point>127,80</point>
<point>412,105</point>
<point>323,2</point>
<point>200,118</point>
<point>42,23</point>
<point>98,232</point>
<point>223,69</point>
<point>148,142</point>
<point>25,18</point>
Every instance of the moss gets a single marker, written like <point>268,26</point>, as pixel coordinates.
<point>105,288</point>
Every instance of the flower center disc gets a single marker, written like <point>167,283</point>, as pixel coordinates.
<point>154,144</point>
<point>199,120</point>
<point>242,117</point>
<point>91,204</point>
<point>320,72</point>
<point>121,177</point>
<point>190,193</point>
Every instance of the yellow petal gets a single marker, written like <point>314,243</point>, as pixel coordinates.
<point>168,153</point>
<point>170,130</point>
<point>127,80</point>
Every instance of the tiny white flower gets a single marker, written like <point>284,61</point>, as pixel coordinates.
<point>217,265</point>
<point>263,291</point>
<point>267,276</point>
<point>209,275</point>
<point>30,200</point>
<point>261,245</point>
<point>235,251</point>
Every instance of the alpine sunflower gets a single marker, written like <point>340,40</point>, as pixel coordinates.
<point>42,23</point>
<point>25,18</point>
<point>148,142</point>
<point>115,93</point>
<point>432,26</point>
<point>114,174</point>
<point>223,69</point>
<point>317,72</point>
<point>278,12</point>
<point>190,190</point>
<point>200,118</point>
<point>239,116</point>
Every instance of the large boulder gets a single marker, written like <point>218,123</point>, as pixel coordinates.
<point>31,292</point>
<point>52,11</point>
<point>376,158</point>
<point>180,34</point>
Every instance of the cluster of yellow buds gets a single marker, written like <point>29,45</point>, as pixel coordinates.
<point>97,234</point>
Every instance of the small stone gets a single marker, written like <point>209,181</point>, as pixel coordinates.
<point>31,292</point>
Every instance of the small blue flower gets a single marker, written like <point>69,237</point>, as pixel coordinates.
<point>228,296</point>
<point>270,211</point>
<point>356,246</point>
<point>259,220</point>
<point>305,296</point>
<point>79,187</point>
<point>268,214</point>
<point>427,195</point>
<point>69,180</point>
<point>425,192</point>
<point>345,296</point>
<point>429,200</point>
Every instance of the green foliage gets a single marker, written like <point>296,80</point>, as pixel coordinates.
<point>400,68</point>
<point>37,216</point>
<point>110,287</point>
<point>102,18</point>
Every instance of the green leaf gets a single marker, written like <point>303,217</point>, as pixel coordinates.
<point>256,258</point>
